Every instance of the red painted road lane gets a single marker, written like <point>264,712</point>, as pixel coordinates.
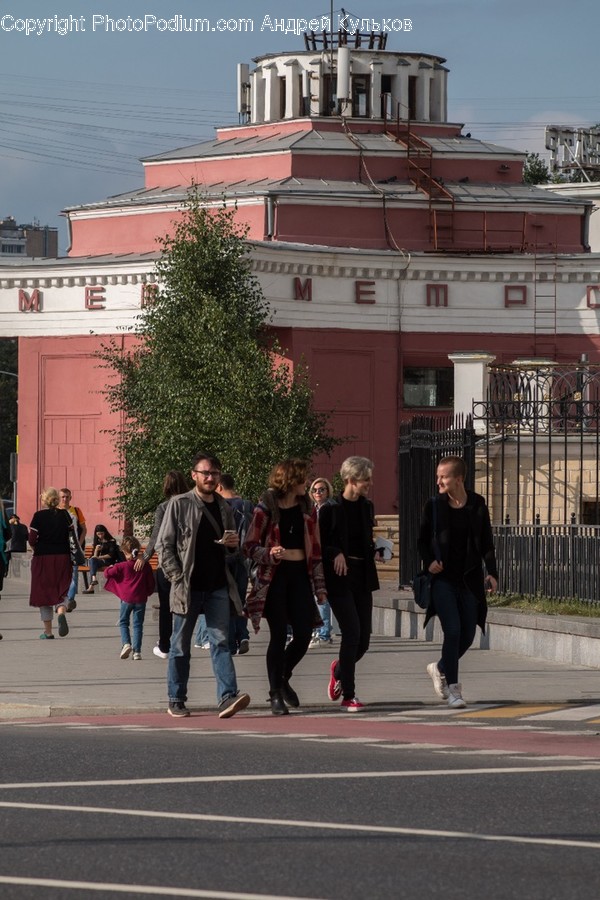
<point>340,726</point>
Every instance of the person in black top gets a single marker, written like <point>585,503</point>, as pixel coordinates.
<point>283,542</point>
<point>18,538</point>
<point>455,538</point>
<point>105,552</point>
<point>346,526</point>
<point>196,535</point>
<point>51,566</point>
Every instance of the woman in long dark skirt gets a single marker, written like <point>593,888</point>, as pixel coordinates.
<point>51,566</point>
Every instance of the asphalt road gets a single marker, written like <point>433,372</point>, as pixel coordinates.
<point>146,806</point>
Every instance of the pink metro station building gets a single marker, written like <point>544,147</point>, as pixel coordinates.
<point>386,241</point>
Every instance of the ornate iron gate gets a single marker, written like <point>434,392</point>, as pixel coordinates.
<point>423,441</point>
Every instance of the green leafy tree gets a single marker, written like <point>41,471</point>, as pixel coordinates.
<point>206,373</point>
<point>535,170</point>
<point>8,410</point>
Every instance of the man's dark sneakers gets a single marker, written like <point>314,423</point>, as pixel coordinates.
<point>71,605</point>
<point>178,709</point>
<point>229,706</point>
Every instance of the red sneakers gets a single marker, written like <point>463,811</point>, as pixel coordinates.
<point>334,688</point>
<point>352,705</point>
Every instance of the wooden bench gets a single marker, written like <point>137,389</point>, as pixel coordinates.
<point>88,552</point>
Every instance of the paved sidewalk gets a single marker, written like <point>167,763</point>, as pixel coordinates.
<point>83,673</point>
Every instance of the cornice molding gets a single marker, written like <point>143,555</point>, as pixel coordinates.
<point>61,281</point>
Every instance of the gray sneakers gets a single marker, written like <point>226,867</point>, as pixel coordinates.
<point>440,684</point>
<point>229,706</point>
<point>178,709</point>
<point>455,700</point>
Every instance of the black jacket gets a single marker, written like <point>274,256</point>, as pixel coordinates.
<point>480,546</point>
<point>334,540</point>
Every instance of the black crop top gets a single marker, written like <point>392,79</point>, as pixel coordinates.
<point>291,528</point>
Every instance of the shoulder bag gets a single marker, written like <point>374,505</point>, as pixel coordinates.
<point>421,583</point>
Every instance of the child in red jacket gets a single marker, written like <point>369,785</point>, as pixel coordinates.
<point>133,588</point>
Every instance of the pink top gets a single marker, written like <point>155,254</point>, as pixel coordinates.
<point>130,586</point>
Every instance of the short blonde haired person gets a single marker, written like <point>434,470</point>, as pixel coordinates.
<point>346,526</point>
<point>50,498</point>
<point>320,491</point>
<point>51,567</point>
<point>357,468</point>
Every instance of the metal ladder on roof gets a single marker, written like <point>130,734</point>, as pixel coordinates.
<point>419,158</point>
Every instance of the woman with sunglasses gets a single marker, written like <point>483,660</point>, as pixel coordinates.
<point>321,493</point>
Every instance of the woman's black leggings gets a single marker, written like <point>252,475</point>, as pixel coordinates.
<point>289,601</point>
<point>354,611</point>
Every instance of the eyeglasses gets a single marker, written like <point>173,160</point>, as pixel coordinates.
<point>208,473</point>
<point>319,490</point>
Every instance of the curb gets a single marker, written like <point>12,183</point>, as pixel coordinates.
<point>570,640</point>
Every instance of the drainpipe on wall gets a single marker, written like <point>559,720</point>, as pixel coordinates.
<point>585,228</point>
<point>270,217</point>
<point>69,234</point>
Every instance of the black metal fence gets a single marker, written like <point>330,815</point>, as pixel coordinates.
<point>539,438</point>
<point>558,561</point>
<point>539,445</point>
<point>514,452</point>
<point>423,441</point>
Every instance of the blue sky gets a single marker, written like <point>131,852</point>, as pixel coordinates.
<point>77,111</point>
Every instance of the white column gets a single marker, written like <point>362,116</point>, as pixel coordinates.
<point>258,95</point>
<point>316,87</point>
<point>471,379</point>
<point>401,89</point>
<point>292,90</point>
<point>376,68</point>
<point>272,95</point>
<point>439,105</point>
<point>423,92</point>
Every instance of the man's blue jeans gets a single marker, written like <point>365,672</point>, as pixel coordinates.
<point>215,606</point>
<point>74,584</point>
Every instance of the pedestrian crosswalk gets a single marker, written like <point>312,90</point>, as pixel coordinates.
<point>529,715</point>
<point>482,712</point>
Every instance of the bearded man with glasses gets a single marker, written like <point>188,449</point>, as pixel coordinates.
<point>197,533</point>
